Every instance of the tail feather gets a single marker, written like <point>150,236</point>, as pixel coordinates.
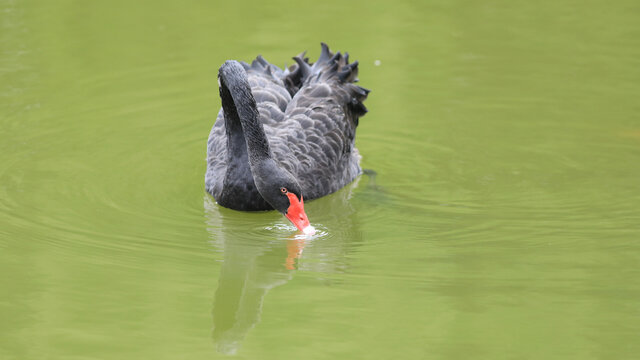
<point>329,67</point>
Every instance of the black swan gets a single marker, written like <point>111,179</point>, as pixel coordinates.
<point>284,135</point>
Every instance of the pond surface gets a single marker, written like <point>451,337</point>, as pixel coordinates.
<point>503,223</point>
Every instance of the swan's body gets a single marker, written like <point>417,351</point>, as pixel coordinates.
<point>276,125</point>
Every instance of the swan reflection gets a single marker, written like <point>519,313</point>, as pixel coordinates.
<point>257,258</point>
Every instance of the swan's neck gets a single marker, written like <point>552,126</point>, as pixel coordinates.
<point>247,146</point>
<point>245,134</point>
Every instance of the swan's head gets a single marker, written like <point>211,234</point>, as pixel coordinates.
<point>282,191</point>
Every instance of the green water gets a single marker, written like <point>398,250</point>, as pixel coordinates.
<point>504,222</point>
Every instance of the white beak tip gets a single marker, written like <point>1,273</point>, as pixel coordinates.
<point>309,230</point>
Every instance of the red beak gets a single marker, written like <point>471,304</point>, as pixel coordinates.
<point>295,213</point>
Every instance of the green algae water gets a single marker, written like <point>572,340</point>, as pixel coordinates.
<point>503,222</point>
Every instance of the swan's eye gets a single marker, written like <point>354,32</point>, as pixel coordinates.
<point>283,190</point>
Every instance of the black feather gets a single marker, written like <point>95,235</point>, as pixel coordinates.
<point>309,113</point>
